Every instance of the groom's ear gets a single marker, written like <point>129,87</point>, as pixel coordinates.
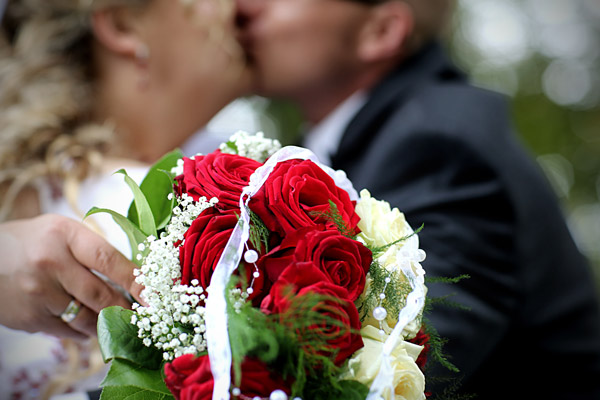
<point>387,31</point>
<point>115,29</point>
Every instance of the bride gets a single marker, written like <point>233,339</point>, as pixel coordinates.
<point>89,87</point>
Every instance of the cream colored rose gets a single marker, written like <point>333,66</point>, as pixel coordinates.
<point>380,225</point>
<point>363,366</point>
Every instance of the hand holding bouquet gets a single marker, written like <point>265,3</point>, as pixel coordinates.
<point>266,277</point>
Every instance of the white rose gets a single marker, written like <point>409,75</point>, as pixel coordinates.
<point>380,225</point>
<point>363,366</point>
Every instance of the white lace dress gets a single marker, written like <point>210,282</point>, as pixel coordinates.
<point>30,362</point>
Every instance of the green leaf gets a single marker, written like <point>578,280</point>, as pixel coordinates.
<point>145,220</point>
<point>134,234</point>
<point>232,146</point>
<point>118,339</point>
<point>156,186</point>
<point>131,393</point>
<point>124,373</point>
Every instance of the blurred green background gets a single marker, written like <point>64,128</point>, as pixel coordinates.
<point>544,55</point>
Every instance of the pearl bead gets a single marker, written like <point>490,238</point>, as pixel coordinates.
<point>382,296</point>
<point>388,279</point>
<point>278,395</point>
<point>256,274</point>
<point>250,290</point>
<point>379,313</point>
<point>251,256</point>
<point>420,255</point>
<point>236,391</point>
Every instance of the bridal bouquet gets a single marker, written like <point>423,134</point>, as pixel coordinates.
<point>267,276</point>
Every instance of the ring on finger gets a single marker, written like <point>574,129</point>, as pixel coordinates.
<point>71,311</point>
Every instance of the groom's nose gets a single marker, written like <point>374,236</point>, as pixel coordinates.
<point>246,10</point>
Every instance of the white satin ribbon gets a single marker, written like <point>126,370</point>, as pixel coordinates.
<point>217,336</point>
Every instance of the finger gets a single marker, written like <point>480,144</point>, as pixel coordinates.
<point>94,252</point>
<point>89,289</point>
<point>43,317</point>
<point>85,322</point>
<point>57,327</point>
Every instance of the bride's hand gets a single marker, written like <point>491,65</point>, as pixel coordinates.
<point>46,265</point>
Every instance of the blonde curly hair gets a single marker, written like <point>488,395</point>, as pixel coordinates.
<point>46,75</point>
<point>46,127</point>
<point>47,130</point>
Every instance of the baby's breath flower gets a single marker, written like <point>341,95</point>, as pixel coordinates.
<point>178,169</point>
<point>173,320</point>
<point>256,147</point>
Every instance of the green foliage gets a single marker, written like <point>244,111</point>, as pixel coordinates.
<point>346,389</point>
<point>134,235</point>
<point>231,144</point>
<point>118,339</point>
<point>259,233</point>
<point>292,344</point>
<point>436,346</point>
<point>123,373</point>
<point>445,279</point>
<point>131,393</point>
<point>396,291</point>
<point>145,220</point>
<point>156,186</point>
<point>150,198</point>
<point>136,370</point>
<point>451,392</point>
<point>436,342</point>
<point>333,215</point>
<point>382,249</point>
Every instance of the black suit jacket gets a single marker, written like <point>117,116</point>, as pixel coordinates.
<point>442,152</point>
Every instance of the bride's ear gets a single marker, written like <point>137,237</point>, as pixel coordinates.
<point>115,29</point>
<point>386,32</point>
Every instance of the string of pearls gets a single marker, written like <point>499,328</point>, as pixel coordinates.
<point>379,312</point>
<point>251,257</point>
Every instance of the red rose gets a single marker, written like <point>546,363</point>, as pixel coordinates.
<point>294,195</point>
<point>189,378</point>
<point>217,175</point>
<point>304,279</point>
<point>345,262</point>
<point>186,371</point>
<point>203,245</point>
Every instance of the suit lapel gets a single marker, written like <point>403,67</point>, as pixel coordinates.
<point>428,65</point>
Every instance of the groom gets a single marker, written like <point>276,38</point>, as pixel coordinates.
<point>387,106</point>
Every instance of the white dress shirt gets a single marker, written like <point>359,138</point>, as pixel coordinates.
<point>324,138</point>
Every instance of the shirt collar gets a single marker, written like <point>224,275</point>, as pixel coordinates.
<point>324,138</point>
